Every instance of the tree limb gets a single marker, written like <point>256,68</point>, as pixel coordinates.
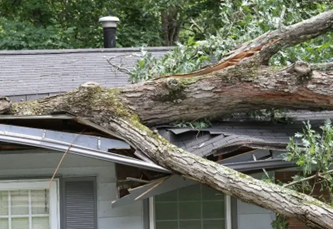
<point>119,67</point>
<point>290,35</point>
<point>235,89</point>
<point>308,178</point>
<point>5,105</point>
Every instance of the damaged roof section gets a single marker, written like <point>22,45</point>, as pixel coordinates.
<point>66,133</point>
<point>247,146</point>
<point>230,136</point>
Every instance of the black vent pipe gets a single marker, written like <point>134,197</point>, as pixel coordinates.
<point>109,25</point>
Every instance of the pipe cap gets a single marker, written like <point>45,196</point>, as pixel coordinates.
<point>109,22</point>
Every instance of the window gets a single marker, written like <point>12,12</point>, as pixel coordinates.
<point>27,204</point>
<point>193,207</point>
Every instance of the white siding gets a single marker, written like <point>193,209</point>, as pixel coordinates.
<point>253,217</point>
<point>41,164</point>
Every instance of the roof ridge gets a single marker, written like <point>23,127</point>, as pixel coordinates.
<point>92,50</point>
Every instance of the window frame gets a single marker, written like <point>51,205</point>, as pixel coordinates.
<point>227,205</point>
<point>38,184</point>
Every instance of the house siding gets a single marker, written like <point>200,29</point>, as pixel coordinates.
<point>42,163</point>
<point>251,216</point>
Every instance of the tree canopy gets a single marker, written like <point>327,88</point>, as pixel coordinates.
<point>53,24</point>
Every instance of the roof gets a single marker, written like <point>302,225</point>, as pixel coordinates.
<point>228,136</point>
<point>31,74</point>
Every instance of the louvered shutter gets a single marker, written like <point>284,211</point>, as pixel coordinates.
<point>79,204</point>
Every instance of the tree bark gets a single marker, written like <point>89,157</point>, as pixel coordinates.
<point>171,24</point>
<point>241,82</point>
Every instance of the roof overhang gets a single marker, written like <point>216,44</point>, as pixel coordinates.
<point>79,144</point>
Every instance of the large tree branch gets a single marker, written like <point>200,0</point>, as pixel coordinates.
<point>104,108</point>
<point>235,89</point>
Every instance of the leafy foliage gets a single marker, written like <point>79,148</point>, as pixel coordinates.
<point>280,222</point>
<point>313,156</point>
<point>182,59</point>
<point>74,24</point>
<point>241,21</point>
<point>197,124</point>
<point>273,115</point>
<point>140,22</point>
<point>24,35</point>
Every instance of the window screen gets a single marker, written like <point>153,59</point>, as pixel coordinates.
<point>79,204</point>
<point>193,207</point>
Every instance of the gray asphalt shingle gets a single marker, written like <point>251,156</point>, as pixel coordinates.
<point>268,135</point>
<point>37,73</point>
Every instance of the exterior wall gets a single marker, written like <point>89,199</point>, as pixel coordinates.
<point>41,164</point>
<point>253,217</point>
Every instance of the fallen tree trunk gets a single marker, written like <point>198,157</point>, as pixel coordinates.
<point>241,82</point>
<point>235,89</point>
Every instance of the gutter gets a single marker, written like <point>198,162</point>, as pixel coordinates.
<point>13,134</point>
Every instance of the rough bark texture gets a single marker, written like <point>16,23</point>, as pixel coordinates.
<point>235,89</point>
<point>244,85</point>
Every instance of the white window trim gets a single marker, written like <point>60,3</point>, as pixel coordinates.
<point>228,213</point>
<point>11,185</point>
<point>151,213</point>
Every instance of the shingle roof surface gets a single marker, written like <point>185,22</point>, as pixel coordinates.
<point>27,75</point>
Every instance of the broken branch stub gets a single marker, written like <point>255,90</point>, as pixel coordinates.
<point>5,105</point>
